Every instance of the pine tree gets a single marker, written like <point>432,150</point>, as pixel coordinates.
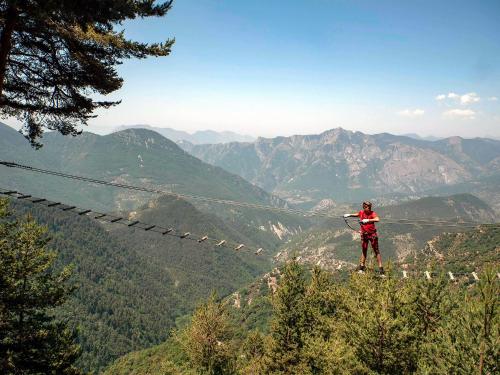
<point>431,304</point>
<point>287,337</point>
<point>469,341</point>
<point>325,352</point>
<point>208,339</point>
<point>376,321</point>
<point>251,361</point>
<point>304,338</point>
<point>31,340</point>
<point>56,55</point>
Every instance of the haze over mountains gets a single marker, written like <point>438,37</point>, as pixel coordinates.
<point>334,166</point>
<point>198,137</point>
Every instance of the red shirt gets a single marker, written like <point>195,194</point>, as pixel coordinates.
<point>370,227</point>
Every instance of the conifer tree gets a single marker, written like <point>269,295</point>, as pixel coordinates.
<point>431,304</point>
<point>251,361</point>
<point>325,352</point>
<point>208,339</point>
<point>56,56</point>
<point>376,322</point>
<point>287,337</point>
<point>31,340</point>
<point>469,341</point>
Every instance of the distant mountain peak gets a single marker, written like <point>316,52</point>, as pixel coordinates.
<point>146,138</point>
<point>198,137</point>
<point>335,131</point>
<point>139,132</point>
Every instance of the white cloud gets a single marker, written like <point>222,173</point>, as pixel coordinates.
<point>492,98</point>
<point>464,99</point>
<point>468,114</point>
<point>411,112</point>
<point>469,98</point>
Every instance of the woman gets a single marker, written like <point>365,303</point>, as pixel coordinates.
<point>367,219</point>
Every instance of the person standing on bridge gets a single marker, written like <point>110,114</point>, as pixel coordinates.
<point>367,220</point>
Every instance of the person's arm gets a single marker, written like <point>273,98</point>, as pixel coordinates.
<point>376,219</point>
<point>352,215</point>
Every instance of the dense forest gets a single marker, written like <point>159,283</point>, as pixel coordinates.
<point>130,292</point>
<point>322,325</point>
<point>131,286</point>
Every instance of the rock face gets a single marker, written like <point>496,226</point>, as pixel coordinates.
<point>344,165</point>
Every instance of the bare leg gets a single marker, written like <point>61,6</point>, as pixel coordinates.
<point>364,250</point>
<point>374,243</point>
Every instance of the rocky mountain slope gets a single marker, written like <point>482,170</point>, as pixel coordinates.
<point>463,252</point>
<point>348,166</point>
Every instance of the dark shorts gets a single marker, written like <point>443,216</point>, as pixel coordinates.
<point>370,238</point>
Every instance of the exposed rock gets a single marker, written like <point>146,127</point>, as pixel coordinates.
<point>237,300</point>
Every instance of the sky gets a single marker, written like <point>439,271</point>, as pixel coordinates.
<point>269,68</point>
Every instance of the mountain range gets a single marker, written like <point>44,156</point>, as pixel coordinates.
<point>196,138</point>
<point>351,166</point>
<point>135,286</point>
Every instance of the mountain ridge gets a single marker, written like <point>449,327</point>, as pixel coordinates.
<point>144,158</point>
<point>199,137</point>
<point>349,166</point>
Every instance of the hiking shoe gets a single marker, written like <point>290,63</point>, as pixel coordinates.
<point>381,272</point>
<point>360,269</point>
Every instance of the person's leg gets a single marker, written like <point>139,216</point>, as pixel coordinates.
<point>364,250</point>
<point>374,243</point>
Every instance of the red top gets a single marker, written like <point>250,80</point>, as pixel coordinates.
<point>370,227</point>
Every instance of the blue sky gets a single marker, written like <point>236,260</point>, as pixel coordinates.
<point>294,67</point>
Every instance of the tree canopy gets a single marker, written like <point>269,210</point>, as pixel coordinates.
<point>57,56</point>
<point>32,341</point>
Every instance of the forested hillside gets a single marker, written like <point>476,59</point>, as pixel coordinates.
<point>464,252</point>
<point>132,286</point>
<point>129,249</point>
<point>138,157</point>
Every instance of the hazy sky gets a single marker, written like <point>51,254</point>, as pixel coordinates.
<point>294,67</point>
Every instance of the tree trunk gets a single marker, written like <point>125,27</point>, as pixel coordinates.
<point>6,44</point>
